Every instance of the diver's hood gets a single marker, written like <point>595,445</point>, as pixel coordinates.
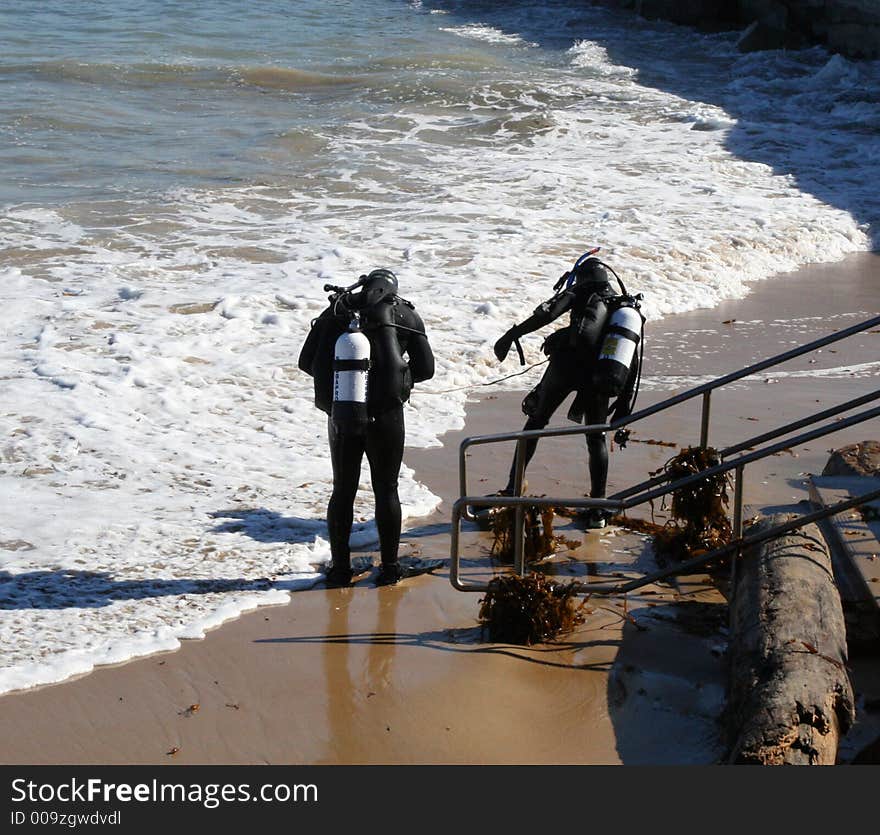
<point>379,286</point>
<point>591,272</point>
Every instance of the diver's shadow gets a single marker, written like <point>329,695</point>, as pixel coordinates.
<point>264,525</point>
<point>70,589</point>
<point>77,589</point>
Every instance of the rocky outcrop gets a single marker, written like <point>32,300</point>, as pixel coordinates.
<point>850,27</point>
<point>862,459</point>
<point>708,14</point>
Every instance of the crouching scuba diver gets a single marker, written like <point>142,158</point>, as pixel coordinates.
<point>596,355</point>
<point>355,353</point>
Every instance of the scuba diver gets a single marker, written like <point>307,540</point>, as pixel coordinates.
<point>594,355</point>
<point>355,354</point>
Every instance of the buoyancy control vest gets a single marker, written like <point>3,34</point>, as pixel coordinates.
<point>390,378</point>
<point>319,350</point>
<point>391,328</point>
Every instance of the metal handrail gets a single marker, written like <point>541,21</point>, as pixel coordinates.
<point>762,438</point>
<point>800,424</point>
<point>705,390</point>
<point>680,568</point>
<point>622,504</point>
<point>620,501</point>
<point>756,455</point>
<point>731,547</point>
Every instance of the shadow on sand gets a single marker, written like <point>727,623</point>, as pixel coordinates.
<point>666,688</point>
<point>69,589</point>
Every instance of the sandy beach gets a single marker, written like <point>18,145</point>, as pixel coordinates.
<point>402,675</point>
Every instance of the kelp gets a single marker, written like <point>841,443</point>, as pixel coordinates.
<point>699,520</point>
<point>702,503</point>
<point>621,520</point>
<point>539,541</point>
<point>529,610</point>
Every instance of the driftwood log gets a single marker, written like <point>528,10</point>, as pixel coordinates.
<point>790,697</point>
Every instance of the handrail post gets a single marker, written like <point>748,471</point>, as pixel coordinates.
<point>462,467</point>
<point>737,527</point>
<point>454,555</point>
<point>704,419</point>
<point>519,561</point>
<point>738,502</point>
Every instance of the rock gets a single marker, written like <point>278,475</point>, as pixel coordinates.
<point>698,13</point>
<point>862,459</point>
<point>859,40</point>
<point>769,13</point>
<point>759,36</point>
<point>849,27</point>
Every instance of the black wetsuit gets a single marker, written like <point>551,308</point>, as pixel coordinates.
<point>394,329</point>
<point>573,352</point>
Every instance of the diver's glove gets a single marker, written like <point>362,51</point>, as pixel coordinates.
<point>502,346</point>
<point>621,436</point>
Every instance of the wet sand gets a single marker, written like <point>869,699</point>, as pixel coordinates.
<point>401,675</point>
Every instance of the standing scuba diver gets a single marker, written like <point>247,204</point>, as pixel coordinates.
<point>355,353</point>
<point>594,355</point>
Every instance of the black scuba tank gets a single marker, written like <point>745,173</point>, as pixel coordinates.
<point>621,338</point>
<point>390,378</point>
<point>587,329</point>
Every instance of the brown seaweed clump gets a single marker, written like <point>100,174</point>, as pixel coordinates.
<point>621,520</point>
<point>539,541</point>
<point>699,511</point>
<point>529,610</point>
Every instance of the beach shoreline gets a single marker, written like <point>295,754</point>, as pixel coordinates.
<point>400,675</point>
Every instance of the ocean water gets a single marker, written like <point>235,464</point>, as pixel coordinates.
<point>179,180</point>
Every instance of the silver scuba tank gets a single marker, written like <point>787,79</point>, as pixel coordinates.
<point>622,336</point>
<point>351,362</point>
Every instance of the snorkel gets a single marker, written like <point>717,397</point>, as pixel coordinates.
<point>568,279</point>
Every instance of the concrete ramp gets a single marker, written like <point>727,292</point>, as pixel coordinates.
<point>854,539</point>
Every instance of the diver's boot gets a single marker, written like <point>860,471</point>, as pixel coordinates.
<point>483,515</point>
<point>595,518</point>
<point>390,573</point>
<point>338,576</point>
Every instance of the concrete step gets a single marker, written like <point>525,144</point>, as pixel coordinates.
<point>854,541</point>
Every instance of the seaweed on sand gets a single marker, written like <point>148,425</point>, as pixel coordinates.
<point>529,610</point>
<point>699,510</point>
<point>539,541</point>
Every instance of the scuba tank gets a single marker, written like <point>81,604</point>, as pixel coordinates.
<point>623,334</point>
<point>351,362</point>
